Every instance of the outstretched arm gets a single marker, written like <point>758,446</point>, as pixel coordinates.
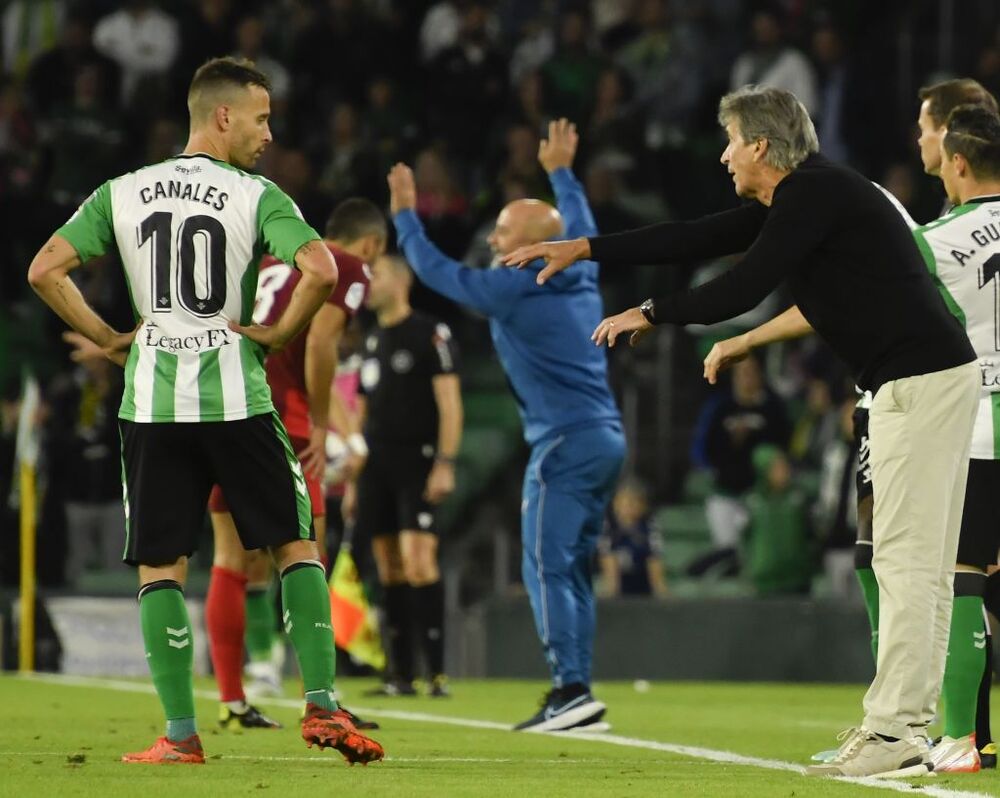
<point>488,291</point>
<point>790,324</point>
<point>556,155</point>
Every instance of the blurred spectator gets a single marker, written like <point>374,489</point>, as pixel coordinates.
<point>750,415</point>
<point>84,139</point>
<point>535,46</point>
<point>250,45</point>
<point>387,124</point>
<point>818,426</point>
<point>17,141</point>
<point>467,85</point>
<point>349,165</point>
<point>292,170</point>
<point>772,62</point>
<point>522,161</point>
<point>836,508</point>
<point>164,140</point>
<point>443,24</point>
<point>440,203</point>
<point>52,75</point>
<point>614,129</point>
<point>143,40</point>
<point>828,53</point>
<point>987,69</point>
<point>572,72</point>
<point>208,31</point>
<point>779,548</point>
<point>663,64</point>
<point>629,549</point>
<point>528,103</point>
<point>29,27</point>
<point>83,453</point>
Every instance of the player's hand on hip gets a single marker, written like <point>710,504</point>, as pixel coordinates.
<point>440,482</point>
<point>268,337</point>
<point>115,349</point>
<point>558,255</point>
<point>723,355</point>
<point>559,149</point>
<point>313,457</point>
<point>402,189</point>
<point>631,321</point>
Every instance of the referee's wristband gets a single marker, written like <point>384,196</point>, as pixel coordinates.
<point>356,443</point>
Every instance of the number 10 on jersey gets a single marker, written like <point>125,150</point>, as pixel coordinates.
<point>201,292</point>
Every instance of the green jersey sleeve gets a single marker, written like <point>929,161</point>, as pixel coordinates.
<point>280,225</point>
<point>91,230</point>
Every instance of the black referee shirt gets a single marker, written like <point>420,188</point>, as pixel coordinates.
<point>849,260</point>
<point>399,365</point>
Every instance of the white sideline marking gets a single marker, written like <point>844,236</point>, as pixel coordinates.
<point>711,754</point>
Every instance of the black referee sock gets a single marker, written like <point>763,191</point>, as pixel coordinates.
<point>984,735</point>
<point>399,630</point>
<point>428,601</point>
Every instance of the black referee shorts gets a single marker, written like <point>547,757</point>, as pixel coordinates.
<point>169,469</point>
<point>391,492</point>
<point>979,540</point>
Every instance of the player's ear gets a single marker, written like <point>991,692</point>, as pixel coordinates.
<point>222,117</point>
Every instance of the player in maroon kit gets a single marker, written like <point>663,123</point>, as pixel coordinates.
<point>300,377</point>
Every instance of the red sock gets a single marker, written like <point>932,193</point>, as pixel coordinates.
<point>225,622</point>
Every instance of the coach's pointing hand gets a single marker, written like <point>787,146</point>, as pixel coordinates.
<point>558,255</point>
<point>402,189</point>
<point>631,321</point>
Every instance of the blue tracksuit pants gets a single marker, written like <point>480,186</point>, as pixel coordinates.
<point>569,480</point>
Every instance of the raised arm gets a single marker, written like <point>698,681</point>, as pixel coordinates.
<point>556,155</point>
<point>489,291</point>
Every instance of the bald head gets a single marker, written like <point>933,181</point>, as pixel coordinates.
<point>525,221</point>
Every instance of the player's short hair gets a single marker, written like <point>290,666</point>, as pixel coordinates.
<point>974,133</point>
<point>356,218</point>
<point>775,115</point>
<point>942,98</point>
<point>216,78</point>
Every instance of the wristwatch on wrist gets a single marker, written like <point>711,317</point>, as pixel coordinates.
<point>648,311</point>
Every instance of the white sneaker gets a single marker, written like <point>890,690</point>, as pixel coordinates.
<point>956,755</point>
<point>864,753</point>
<point>264,681</point>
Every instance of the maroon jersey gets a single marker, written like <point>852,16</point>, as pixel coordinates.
<point>286,370</point>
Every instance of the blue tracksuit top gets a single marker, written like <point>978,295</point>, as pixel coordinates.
<point>541,332</point>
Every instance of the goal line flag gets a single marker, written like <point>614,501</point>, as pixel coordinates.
<point>355,627</point>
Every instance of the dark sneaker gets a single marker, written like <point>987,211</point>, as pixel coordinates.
<point>988,756</point>
<point>168,752</point>
<point>563,708</point>
<point>336,730</point>
<point>249,718</point>
<point>439,687</point>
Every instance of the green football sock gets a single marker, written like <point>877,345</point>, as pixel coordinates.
<point>260,623</point>
<point>306,617</point>
<point>869,589</point>
<point>166,632</point>
<point>966,660</point>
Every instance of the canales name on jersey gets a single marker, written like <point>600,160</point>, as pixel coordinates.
<point>190,232</point>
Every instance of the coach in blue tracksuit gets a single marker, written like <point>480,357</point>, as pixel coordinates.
<point>571,422</point>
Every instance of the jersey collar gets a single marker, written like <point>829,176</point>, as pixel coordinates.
<point>983,198</point>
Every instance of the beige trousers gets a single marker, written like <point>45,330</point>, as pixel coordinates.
<point>921,431</point>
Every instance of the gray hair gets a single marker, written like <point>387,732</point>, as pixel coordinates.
<point>775,115</point>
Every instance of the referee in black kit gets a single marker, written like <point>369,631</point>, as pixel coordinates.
<point>411,406</point>
<point>858,278</point>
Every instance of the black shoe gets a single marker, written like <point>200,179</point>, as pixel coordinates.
<point>394,688</point>
<point>439,687</point>
<point>359,723</point>
<point>563,708</point>
<point>988,756</point>
<point>249,718</point>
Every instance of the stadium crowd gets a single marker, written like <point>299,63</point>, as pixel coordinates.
<point>463,91</point>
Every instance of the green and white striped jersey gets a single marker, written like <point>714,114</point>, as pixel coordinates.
<point>962,252</point>
<point>190,232</point>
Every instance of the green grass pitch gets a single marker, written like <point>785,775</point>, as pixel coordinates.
<point>63,738</point>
